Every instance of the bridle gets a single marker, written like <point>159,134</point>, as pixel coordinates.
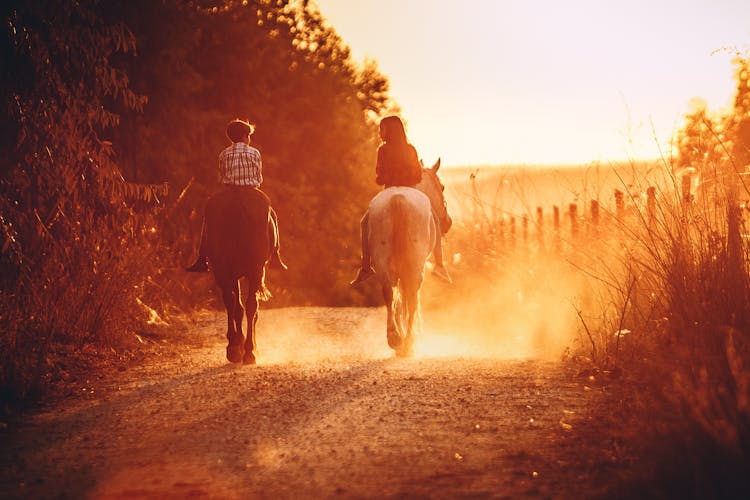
<point>441,210</point>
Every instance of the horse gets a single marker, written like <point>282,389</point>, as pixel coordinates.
<point>238,246</point>
<point>404,223</point>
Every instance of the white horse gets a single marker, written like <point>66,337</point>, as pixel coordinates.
<point>404,223</point>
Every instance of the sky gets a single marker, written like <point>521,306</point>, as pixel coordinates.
<point>528,82</point>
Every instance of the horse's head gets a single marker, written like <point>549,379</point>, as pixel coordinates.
<point>433,188</point>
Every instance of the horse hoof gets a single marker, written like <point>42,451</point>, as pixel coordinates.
<point>394,340</point>
<point>248,360</point>
<point>405,352</point>
<point>234,354</point>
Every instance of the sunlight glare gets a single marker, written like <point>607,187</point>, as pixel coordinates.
<point>516,82</point>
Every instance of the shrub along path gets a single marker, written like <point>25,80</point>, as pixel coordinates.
<point>327,412</point>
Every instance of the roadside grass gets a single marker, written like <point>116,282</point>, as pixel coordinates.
<point>659,294</point>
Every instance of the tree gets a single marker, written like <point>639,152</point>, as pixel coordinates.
<point>279,65</point>
<point>69,227</point>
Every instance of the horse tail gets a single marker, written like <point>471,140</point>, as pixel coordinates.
<point>399,226</point>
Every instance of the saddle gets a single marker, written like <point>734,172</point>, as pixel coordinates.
<point>236,192</point>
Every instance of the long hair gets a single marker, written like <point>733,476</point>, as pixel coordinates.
<point>392,130</point>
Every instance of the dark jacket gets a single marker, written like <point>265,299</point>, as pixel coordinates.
<point>397,165</point>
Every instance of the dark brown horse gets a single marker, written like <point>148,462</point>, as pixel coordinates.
<point>237,232</point>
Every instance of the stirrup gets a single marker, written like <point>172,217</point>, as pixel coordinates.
<point>364,274</point>
<point>200,266</point>
<point>442,273</point>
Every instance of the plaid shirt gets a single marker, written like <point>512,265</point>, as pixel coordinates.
<point>240,165</point>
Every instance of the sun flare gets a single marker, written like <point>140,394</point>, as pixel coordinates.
<point>546,82</point>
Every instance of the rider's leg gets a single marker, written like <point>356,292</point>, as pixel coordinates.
<point>201,263</point>
<point>365,271</point>
<point>437,252</point>
<point>273,238</point>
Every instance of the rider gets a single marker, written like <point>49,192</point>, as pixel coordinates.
<point>397,165</point>
<point>240,165</point>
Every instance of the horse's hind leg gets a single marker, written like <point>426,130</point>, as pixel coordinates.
<point>410,297</point>
<point>231,297</point>
<point>251,304</point>
<point>392,333</point>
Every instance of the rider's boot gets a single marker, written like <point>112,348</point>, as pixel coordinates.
<point>442,273</point>
<point>363,274</point>
<point>200,265</point>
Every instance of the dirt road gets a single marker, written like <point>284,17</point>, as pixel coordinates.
<point>327,412</point>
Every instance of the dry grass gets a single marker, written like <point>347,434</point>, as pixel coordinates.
<point>659,292</point>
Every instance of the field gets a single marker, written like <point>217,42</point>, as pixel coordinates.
<point>514,191</point>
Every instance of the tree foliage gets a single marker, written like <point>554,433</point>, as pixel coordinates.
<point>719,144</point>
<point>70,227</point>
<point>281,66</point>
<point>114,114</point>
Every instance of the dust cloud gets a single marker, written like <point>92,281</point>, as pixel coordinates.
<point>521,313</point>
<point>304,335</point>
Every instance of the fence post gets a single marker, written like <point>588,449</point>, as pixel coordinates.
<point>512,231</point>
<point>595,215</point>
<point>619,204</point>
<point>540,225</point>
<point>687,197</point>
<point>573,212</point>
<point>556,225</point>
